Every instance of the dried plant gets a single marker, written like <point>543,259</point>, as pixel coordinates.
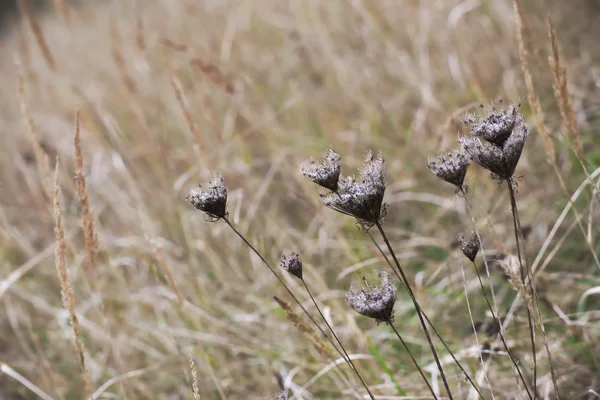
<point>451,167</point>
<point>213,200</point>
<point>325,172</point>
<point>469,245</point>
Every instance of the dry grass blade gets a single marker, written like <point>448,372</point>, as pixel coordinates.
<point>62,7</point>
<point>194,371</point>
<point>87,216</point>
<point>166,270</point>
<point>67,294</point>
<point>38,33</point>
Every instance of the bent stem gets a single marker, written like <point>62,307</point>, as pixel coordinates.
<point>495,314</point>
<point>241,236</point>
<point>522,255</point>
<point>439,336</point>
<point>335,336</point>
<point>417,307</point>
<point>390,323</point>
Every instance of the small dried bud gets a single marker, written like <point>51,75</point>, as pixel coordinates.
<point>375,302</point>
<point>469,245</point>
<point>212,201</point>
<point>495,127</point>
<point>280,395</point>
<point>362,199</point>
<point>451,167</point>
<point>499,156</point>
<point>325,172</point>
<point>292,263</point>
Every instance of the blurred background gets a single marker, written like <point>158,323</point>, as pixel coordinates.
<point>168,92</point>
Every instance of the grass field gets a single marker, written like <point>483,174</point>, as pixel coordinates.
<point>112,285</point>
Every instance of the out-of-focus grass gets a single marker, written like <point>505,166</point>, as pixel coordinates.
<point>266,84</point>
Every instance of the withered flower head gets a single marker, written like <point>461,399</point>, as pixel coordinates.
<point>496,126</point>
<point>280,395</point>
<point>499,156</point>
<point>325,172</point>
<point>451,167</point>
<point>362,199</point>
<point>213,200</point>
<point>373,301</point>
<point>469,245</point>
<point>292,263</point>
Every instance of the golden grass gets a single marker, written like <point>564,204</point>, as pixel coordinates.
<point>169,91</point>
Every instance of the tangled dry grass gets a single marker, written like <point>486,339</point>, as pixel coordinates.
<point>134,103</point>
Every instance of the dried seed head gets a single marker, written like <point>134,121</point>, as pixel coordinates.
<point>501,152</point>
<point>292,263</point>
<point>451,167</point>
<point>280,395</point>
<point>375,302</point>
<point>325,172</point>
<point>362,199</point>
<point>495,127</point>
<point>213,200</point>
<point>469,245</point>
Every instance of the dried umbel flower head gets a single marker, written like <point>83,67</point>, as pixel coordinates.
<point>212,200</point>
<point>451,167</point>
<point>292,263</point>
<point>325,172</point>
<point>362,198</point>
<point>374,301</point>
<point>469,245</point>
<point>496,126</point>
<point>498,156</point>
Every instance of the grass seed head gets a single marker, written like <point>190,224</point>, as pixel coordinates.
<point>469,245</point>
<point>451,167</point>
<point>213,200</point>
<point>325,172</point>
<point>292,263</point>
<point>374,301</point>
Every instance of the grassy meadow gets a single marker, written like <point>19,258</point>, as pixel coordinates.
<point>113,286</point>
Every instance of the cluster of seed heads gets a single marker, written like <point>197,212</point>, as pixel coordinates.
<point>496,140</point>
<point>213,200</point>
<point>361,198</point>
<point>374,301</point>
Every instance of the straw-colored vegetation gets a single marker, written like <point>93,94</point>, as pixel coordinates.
<point>112,285</point>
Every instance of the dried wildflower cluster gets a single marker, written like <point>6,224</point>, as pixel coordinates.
<point>213,201</point>
<point>374,301</point>
<point>504,133</point>
<point>451,167</point>
<point>360,198</point>
<point>291,263</point>
<point>469,245</point>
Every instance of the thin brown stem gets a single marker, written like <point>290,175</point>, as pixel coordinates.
<point>522,255</point>
<point>241,236</point>
<point>336,337</point>
<point>417,308</point>
<point>413,359</point>
<point>433,328</point>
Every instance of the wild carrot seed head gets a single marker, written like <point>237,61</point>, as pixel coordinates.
<point>292,263</point>
<point>374,301</point>
<point>213,200</point>
<point>469,245</point>
<point>496,126</point>
<point>451,167</point>
<point>325,172</point>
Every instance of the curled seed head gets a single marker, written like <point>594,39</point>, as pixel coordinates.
<point>374,301</point>
<point>213,200</point>
<point>362,198</point>
<point>451,167</point>
<point>496,126</point>
<point>325,172</point>
<point>469,245</point>
<point>280,395</point>
<point>292,263</point>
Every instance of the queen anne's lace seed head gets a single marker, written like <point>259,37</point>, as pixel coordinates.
<point>325,172</point>
<point>451,167</point>
<point>495,127</point>
<point>213,200</point>
<point>374,301</point>
<point>280,395</point>
<point>362,199</point>
<point>469,245</point>
<point>292,263</point>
